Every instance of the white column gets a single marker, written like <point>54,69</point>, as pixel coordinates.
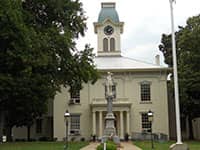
<point>94,122</point>
<point>100,123</point>
<point>128,122</point>
<point>121,125</point>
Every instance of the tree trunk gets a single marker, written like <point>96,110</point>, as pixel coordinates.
<point>191,136</point>
<point>9,133</point>
<point>28,132</point>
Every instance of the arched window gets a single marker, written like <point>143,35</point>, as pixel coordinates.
<point>112,44</point>
<point>105,44</point>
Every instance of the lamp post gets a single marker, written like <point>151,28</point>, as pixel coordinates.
<point>66,116</point>
<point>150,119</point>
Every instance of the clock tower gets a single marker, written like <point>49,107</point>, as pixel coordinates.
<point>108,29</point>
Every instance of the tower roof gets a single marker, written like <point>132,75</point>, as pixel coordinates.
<point>108,12</point>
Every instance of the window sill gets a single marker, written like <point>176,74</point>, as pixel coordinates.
<point>74,103</point>
<point>74,134</point>
<point>147,102</point>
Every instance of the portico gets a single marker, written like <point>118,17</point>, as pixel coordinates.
<point>121,111</point>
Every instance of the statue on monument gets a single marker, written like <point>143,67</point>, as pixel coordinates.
<point>109,85</point>
<point>110,130</point>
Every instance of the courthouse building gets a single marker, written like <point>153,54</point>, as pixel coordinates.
<point>138,87</point>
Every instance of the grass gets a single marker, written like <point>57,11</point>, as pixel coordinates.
<point>41,145</point>
<point>146,145</point>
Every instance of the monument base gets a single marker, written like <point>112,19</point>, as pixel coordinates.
<point>110,129</point>
<point>179,147</point>
<point>115,139</point>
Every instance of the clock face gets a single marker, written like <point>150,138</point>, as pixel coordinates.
<point>108,30</point>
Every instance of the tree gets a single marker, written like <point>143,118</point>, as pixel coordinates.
<point>38,54</point>
<point>188,60</point>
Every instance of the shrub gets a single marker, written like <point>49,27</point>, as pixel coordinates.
<point>20,140</point>
<point>32,140</point>
<point>82,139</point>
<point>126,137</point>
<point>73,139</point>
<point>44,138</point>
<point>93,137</point>
<point>109,146</point>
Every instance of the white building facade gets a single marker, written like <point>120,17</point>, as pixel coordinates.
<point>138,87</point>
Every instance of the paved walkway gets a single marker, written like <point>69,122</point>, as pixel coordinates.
<point>125,146</point>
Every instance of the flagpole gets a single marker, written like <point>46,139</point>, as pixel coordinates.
<point>176,91</point>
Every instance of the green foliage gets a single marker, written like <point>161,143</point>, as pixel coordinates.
<point>38,54</point>
<point>109,146</point>
<point>188,60</point>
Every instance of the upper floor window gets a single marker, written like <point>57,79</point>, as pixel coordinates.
<point>112,44</point>
<point>105,44</point>
<point>145,88</point>
<point>75,96</point>
<point>146,124</point>
<point>75,124</point>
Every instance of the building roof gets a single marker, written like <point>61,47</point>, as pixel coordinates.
<point>108,11</point>
<point>124,63</point>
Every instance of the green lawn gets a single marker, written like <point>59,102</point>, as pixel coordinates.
<point>146,145</point>
<point>41,146</point>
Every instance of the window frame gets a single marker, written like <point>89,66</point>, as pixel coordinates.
<point>146,125</point>
<point>145,91</point>
<point>105,44</point>
<point>75,124</point>
<point>112,44</point>
<point>75,96</point>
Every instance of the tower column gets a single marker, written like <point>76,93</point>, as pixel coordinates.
<point>121,125</point>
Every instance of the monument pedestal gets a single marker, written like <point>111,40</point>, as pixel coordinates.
<point>110,127</point>
<point>115,139</point>
<point>110,130</point>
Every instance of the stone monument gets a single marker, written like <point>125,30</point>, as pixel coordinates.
<point>110,130</point>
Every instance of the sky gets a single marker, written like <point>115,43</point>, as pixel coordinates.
<point>145,22</point>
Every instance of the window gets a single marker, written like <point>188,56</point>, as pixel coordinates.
<point>146,125</point>
<point>113,90</point>
<point>75,124</point>
<point>75,96</point>
<point>38,125</point>
<point>145,91</point>
<point>105,44</point>
<point>112,44</point>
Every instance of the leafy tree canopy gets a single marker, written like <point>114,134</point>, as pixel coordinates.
<point>188,60</point>
<point>38,54</point>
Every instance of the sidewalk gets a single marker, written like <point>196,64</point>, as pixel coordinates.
<point>129,146</point>
<point>125,146</point>
<point>91,146</point>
